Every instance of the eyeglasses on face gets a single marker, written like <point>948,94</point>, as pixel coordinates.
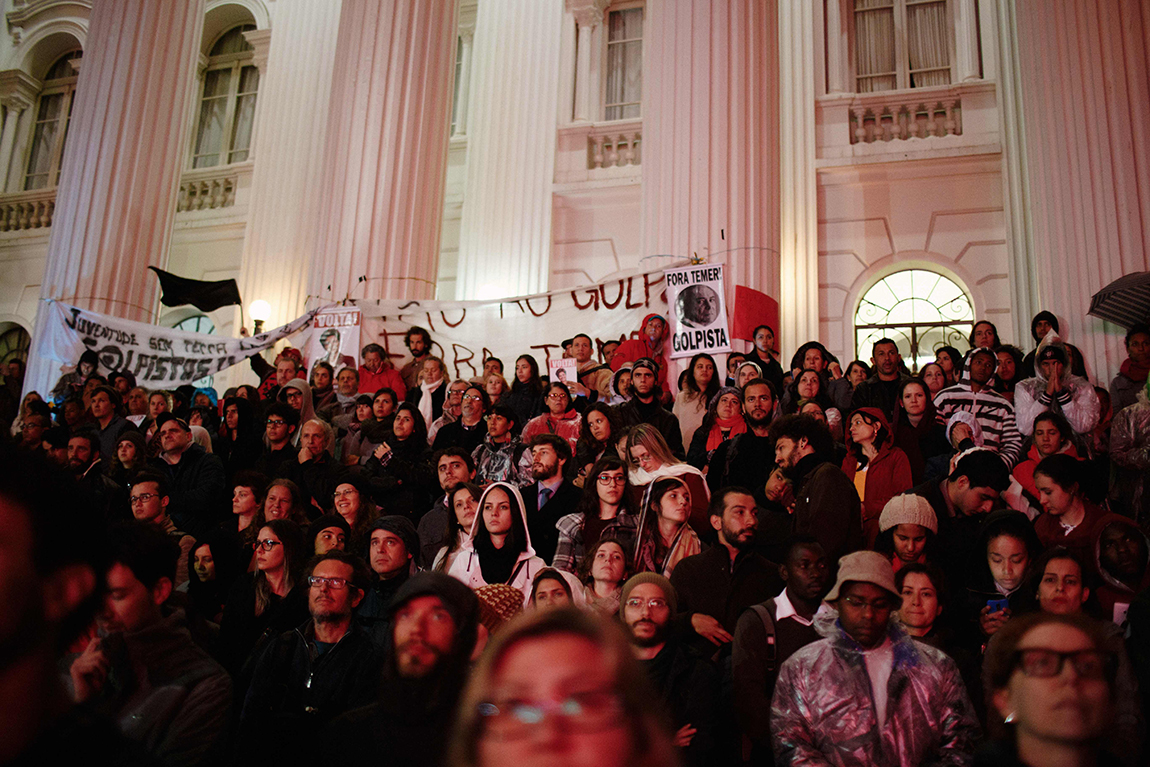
<point>878,605</point>
<point>655,604</point>
<point>268,544</point>
<point>276,422</point>
<point>472,397</point>
<point>335,584</point>
<point>582,712</point>
<point>344,493</point>
<point>143,498</point>
<point>606,479</point>
<point>1044,663</point>
<point>557,396</point>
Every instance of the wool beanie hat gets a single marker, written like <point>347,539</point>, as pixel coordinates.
<point>908,510</point>
<point>658,580</point>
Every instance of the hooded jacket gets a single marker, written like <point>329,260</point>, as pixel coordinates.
<point>633,349</point>
<point>823,711</point>
<point>306,412</point>
<point>468,566</point>
<point>1130,453</point>
<point>1078,367</point>
<point>1076,400</point>
<point>1111,591</point>
<point>992,411</point>
<point>888,474</point>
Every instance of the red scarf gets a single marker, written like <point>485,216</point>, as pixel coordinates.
<point>736,425</point>
<point>1135,372</point>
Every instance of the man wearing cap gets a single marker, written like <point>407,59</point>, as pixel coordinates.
<point>502,457</point>
<point>308,676</point>
<point>687,683</point>
<point>868,694</point>
<point>196,481</point>
<point>1056,389</point>
<point>391,550</point>
<point>433,619</point>
<point>645,405</point>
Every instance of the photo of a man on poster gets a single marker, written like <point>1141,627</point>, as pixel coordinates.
<point>699,306</point>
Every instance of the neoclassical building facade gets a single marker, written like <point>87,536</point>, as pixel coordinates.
<point>881,167</point>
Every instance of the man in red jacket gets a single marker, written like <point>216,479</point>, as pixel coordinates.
<point>377,372</point>
<point>652,333</point>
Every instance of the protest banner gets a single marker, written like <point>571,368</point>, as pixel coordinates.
<point>159,357</point>
<point>464,333</point>
<point>696,311</point>
<point>333,338</point>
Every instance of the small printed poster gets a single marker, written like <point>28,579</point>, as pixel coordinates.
<point>334,338</point>
<point>697,311</point>
<point>563,371</point>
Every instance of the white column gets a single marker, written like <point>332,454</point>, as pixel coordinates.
<point>287,148</point>
<point>505,232</point>
<point>386,159</point>
<point>17,94</point>
<point>966,58</point>
<point>798,250</point>
<point>467,40</point>
<point>121,167</point>
<point>588,15</point>
<point>838,50</point>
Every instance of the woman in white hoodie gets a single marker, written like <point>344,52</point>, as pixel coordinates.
<point>500,547</point>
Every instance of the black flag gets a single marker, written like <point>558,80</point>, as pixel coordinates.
<point>205,296</point>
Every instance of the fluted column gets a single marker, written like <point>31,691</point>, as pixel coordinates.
<point>385,164</point>
<point>287,149</point>
<point>588,17</point>
<point>798,294</point>
<point>710,134</point>
<point>17,94</point>
<point>121,167</point>
<point>1087,193</point>
<point>505,231</point>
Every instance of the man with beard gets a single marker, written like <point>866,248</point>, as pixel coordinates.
<point>645,405</point>
<point>714,587</point>
<point>772,631</point>
<point>434,621</point>
<point>418,342</point>
<point>308,676</point>
<point>551,497</point>
<point>107,497</point>
<point>826,502</point>
<point>687,683</point>
<point>747,459</point>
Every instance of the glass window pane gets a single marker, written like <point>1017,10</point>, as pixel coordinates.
<point>919,309</point>
<point>928,44</point>
<point>61,68</point>
<point>233,41</point>
<point>874,46</point>
<point>242,130</point>
<point>213,111</point>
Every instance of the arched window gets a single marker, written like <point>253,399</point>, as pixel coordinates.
<point>14,344</point>
<point>50,129</point>
<point>199,323</point>
<point>918,310</point>
<point>228,102</point>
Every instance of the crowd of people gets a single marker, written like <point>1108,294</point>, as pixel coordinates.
<point>757,563</point>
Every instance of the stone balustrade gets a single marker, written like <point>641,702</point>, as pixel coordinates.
<point>27,210</point>
<point>615,144</point>
<point>904,115</point>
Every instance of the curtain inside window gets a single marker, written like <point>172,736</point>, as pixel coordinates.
<point>624,64</point>
<point>927,42</point>
<point>43,140</point>
<point>213,112</point>
<point>874,45</point>
<point>245,114</point>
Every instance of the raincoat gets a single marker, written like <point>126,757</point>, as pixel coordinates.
<point>466,566</point>
<point>1130,452</point>
<point>990,409</point>
<point>1113,595</point>
<point>823,712</point>
<point>1077,400</point>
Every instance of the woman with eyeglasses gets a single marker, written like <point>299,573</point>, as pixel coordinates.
<point>605,503</point>
<point>353,502</point>
<point>1050,689</point>
<point>267,601</point>
<point>649,458</point>
<point>560,418</point>
<point>560,687</point>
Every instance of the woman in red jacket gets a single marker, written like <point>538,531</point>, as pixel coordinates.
<point>878,469</point>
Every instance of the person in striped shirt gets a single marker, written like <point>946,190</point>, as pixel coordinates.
<point>974,393</point>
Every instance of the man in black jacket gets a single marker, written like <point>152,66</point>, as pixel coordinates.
<point>687,683</point>
<point>310,675</point>
<point>279,429</point>
<point>195,477</point>
<point>748,458</point>
<point>551,497</point>
<point>644,406</point>
<point>826,502</point>
<point>881,389</point>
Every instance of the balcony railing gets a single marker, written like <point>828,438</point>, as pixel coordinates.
<point>208,188</point>
<point>903,115</point>
<point>27,210</point>
<point>615,145</point>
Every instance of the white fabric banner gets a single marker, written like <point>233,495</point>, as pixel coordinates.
<point>333,338</point>
<point>464,333</point>
<point>158,357</point>
<point>698,314</point>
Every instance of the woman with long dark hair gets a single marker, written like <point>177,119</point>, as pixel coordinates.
<point>526,395</point>
<point>916,429</point>
<point>878,469</point>
<point>402,464</point>
<point>700,384</point>
<point>600,426</point>
<point>560,419</point>
<point>500,548</point>
<point>605,503</point>
<point>664,538</point>
<point>463,505</point>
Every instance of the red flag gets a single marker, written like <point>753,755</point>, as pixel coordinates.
<point>752,309</point>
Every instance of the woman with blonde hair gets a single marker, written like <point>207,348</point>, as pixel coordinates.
<point>567,665</point>
<point>650,458</point>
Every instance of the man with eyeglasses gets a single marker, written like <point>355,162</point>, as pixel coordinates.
<point>196,481</point>
<point>434,621</point>
<point>451,412</point>
<point>279,427</point>
<point>868,693</point>
<point>687,683</point>
<point>469,429</point>
<point>148,497</point>
<point>392,547</point>
<point>310,675</point>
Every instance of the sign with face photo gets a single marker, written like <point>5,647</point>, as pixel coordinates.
<point>696,310</point>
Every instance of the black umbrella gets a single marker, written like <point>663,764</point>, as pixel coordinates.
<point>1125,302</point>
